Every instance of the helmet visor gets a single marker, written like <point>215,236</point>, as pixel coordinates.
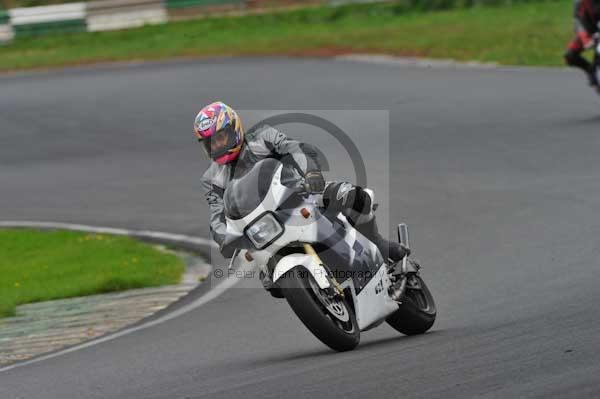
<point>221,142</point>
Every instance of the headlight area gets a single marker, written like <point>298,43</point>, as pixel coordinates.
<point>264,230</point>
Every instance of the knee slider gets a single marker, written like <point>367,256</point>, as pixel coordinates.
<point>347,198</point>
<point>363,203</point>
<point>338,196</point>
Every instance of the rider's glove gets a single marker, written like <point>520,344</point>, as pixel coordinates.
<point>315,181</point>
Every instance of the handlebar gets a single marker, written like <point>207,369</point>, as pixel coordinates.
<point>305,192</point>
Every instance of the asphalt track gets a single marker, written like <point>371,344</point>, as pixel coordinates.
<point>496,170</point>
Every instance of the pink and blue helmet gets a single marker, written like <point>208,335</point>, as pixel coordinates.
<point>219,128</point>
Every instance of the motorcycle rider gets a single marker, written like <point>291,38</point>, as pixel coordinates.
<point>219,129</point>
<point>587,18</point>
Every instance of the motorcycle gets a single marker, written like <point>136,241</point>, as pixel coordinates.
<point>596,59</point>
<point>334,279</point>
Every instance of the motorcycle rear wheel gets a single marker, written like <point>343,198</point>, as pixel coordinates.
<point>331,321</point>
<point>417,312</point>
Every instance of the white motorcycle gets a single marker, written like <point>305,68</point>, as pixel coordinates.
<point>333,277</point>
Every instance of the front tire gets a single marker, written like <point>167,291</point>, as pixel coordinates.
<point>333,322</point>
<point>417,312</point>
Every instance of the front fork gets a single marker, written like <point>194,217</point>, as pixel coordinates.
<point>308,248</point>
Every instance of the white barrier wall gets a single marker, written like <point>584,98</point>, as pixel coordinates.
<point>44,14</point>
<point>119,14</point>
<point>100,15</point>
<point>6,33</point>
<point>126,19</point>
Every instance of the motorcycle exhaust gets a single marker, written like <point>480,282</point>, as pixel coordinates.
<point>403,234</point>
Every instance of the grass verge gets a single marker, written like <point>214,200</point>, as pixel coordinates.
<point>40,265</point>
<point>522,34</point>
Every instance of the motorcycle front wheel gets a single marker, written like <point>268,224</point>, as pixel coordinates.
<point>331,320</point>
<point>417,312</point>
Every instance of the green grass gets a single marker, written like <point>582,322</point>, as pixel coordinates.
<point>522,34</point>
<point>37,266</point>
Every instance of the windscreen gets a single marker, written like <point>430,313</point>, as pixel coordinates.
<point>247,191</point>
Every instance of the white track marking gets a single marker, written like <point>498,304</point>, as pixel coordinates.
<point>383,59</point>
<point>210,295</point>
<point>111,230</point>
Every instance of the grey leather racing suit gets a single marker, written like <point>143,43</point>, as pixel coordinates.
<point>262,142</point>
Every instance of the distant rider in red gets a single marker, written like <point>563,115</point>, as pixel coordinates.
<point>587,17</point>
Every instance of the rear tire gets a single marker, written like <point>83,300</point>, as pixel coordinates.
<point>300,293</point>
<point>417,312</point>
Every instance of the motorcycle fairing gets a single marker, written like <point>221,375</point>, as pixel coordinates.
<point>341,247</point>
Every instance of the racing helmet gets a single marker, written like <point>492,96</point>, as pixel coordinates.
<point>219,129</point>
